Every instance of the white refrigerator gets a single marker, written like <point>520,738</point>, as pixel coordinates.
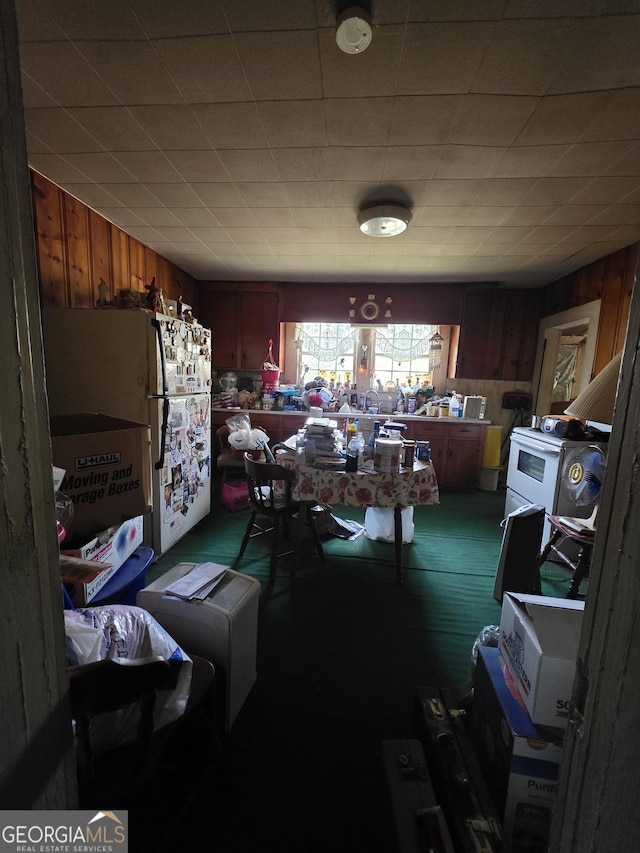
<point>152,369</point>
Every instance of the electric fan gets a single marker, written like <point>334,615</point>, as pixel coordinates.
<point>581,480</point>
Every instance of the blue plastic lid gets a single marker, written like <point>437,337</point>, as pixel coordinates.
<point>137,563</point>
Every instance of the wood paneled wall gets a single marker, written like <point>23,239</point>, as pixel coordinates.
<point>611,279</point>
<point>76,247</point>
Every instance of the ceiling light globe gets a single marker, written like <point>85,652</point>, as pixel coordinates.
<point>384,220</point>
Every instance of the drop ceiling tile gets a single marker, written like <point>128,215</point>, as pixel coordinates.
<point>155,216</point>
<point>555,191</point>
<point>33,95</point>
<point>574,214</point>
<point>316,217</point>
<point>605,191</point>
<point>301,164</point>
<point>84,20</point>
<point>356,164</point>
<point>143,233</point>
<point>441,58</point>
<point>217,194</point>
<point>522,57</point>
<point>550,234</point>
<point>454,10</point>
<point>175,195</point>
<point>75,83</point>
<point>205,69</point>
<point>411,162</point>
<point>494,120</point>
<point>358,121</point>
<point>246,235</point>
<point>498,191</point>
<point>100,167</point>
<point>232,125</point>
<point>562,119</point>
<point>286,62</point>
<point>35,24</point>
<point>230,217</point>
<point>308,193</point>
<point>211,235</point>
<point>168,19</point>
<point>63,134</point>
<point>94,195</point>
<point>148,166</point>
<point>133,195</point>
<point>300,123</point>
<point>507,234</point>
<point>531,161</point>
<point>255,165</point>
<point>529,215</point>
<point>272,217</point>
<point>195,217</point>
<point>621,118</point>
<point>468,161</point>
<point>628,163</point>
<point>171,126</point>
<point>593,158</point>
<point>263,194</point>
<point>114,127</point>
<point>123,217</point>
<point>605,55</point>
<point>422,119</point>
<point>131,70</point>
<point>177,233</point>
<point>198,166</point>
<point>619,214</point>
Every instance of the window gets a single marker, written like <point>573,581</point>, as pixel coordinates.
<point>392,355</point>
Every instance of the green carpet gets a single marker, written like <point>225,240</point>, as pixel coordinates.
<point>341,650</point>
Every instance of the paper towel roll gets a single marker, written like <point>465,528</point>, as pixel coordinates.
<point>492,446</point>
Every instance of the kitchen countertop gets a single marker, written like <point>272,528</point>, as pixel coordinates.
<point>359,415</point>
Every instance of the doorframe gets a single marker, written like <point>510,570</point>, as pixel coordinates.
<point>550,330</point>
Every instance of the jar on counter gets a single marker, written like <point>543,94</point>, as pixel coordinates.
<point>409,453</point>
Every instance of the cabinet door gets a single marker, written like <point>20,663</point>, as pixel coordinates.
<point>463,462</point>
<point>259,323</point>
<point>218,311</point>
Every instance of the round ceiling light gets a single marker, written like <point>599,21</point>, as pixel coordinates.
<point>384,220</point>
<point>353,34</point>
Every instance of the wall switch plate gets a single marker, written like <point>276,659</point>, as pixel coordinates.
<point>516,400</point>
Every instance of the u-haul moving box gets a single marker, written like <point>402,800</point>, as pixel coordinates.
<point>108,469</point>
<point>539,639</point>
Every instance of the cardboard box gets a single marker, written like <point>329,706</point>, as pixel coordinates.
<point>113,546</point>
<point>83,579</point>
<point>539,639</point>
<point>519,761</point>
<point>108,469</point>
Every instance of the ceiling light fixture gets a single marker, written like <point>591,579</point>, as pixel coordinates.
<point>384,220</point>
<point>353,34</point>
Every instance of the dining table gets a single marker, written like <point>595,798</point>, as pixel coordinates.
<point>327,482</point>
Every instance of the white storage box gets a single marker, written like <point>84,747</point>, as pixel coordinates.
<point>223,629</point>
<point>539,639</point>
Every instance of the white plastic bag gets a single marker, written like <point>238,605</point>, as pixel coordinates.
<point>123,631</point>
<point>379,524</point>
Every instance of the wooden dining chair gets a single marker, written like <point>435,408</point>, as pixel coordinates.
<point>270,497</point>
<point>124,773</point>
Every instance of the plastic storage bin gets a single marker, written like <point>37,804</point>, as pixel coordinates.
<point>123,587</point>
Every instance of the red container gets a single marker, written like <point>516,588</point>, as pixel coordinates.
<point>235,495</point>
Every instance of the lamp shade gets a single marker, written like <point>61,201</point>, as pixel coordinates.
<point>597,401</point>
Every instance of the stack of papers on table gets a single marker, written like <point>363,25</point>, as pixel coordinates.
<point>324,433</point>
<point>199,582</point>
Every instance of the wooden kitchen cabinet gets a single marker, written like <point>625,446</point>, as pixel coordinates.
<point>242,322</point>
<point>456,450</point>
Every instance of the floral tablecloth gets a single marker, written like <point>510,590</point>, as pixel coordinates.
<point>409,487</point>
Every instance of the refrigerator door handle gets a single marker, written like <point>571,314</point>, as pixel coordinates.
<point>163,432</point>
<point>165,390</point>
<point>163,362</point>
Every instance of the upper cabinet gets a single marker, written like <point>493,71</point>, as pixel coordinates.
<point>243,321</point>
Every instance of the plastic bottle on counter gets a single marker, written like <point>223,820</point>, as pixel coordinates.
<point>375,433</point>
<point>399,401</point>
<point>454,406</point>
<point>300,442</point>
